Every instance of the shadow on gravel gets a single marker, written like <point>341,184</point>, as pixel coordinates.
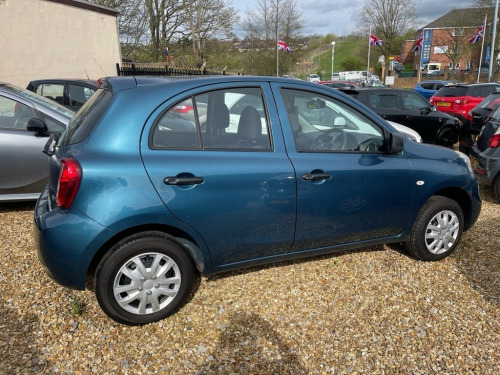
<point>17,206</point>
<point>480,260</point>
<point>250,345</point>
<point>18,349</point>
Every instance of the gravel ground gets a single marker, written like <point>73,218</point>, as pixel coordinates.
<point>374,311</point>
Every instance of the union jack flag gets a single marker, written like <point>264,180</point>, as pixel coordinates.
<point>478,35</point>
<point>418,43</point>
<point>288,49</point>
<point>374,41</point>
<point>282,45</point>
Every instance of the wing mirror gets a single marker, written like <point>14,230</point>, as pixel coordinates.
<point>38,126</point>
<point>396,143</point>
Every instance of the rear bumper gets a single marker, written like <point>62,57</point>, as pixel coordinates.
<point>66,242</point>
<point>485,167</point>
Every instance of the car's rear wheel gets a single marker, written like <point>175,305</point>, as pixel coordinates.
<point>437,229</point>
<point>143,279</point>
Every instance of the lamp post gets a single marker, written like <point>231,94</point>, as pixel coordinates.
<point>333,54</point>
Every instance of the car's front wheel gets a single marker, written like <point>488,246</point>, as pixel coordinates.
<point>447,137</point>
<point>437,229</point>
<point>143,279</point>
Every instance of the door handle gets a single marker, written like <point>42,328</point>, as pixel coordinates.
<point>316,176</point>
<point>182,181</point>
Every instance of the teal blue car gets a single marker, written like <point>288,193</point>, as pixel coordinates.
<point>159,181</point>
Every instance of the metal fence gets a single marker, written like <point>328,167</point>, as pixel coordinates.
<point>130,69</point>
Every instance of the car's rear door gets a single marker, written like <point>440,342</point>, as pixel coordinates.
<point>348,191</point>
<point>232,183</point>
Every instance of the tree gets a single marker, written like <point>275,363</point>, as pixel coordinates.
<point>272,19</point>
<point>207,19</point>
<point>388,20</point>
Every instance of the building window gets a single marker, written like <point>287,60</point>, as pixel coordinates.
<point>459,31</point>
<point>468,65</point>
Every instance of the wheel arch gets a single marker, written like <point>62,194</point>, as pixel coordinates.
<point>461,197</point>
<point>183,239</point>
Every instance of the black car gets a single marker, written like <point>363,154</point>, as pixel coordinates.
<point>71,93</point>
<point>474,121</point>
<point>485,152</point>
<point>409,108</point>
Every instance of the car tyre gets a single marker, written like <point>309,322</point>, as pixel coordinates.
<point>144,278</point>
<point>437,229</point>
<point>496,187</point>
<point>447,137</point>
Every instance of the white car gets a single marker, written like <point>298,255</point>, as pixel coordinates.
<point>313,78</point>
<point>412,134</point>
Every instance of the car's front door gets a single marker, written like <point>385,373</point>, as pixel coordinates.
<point>420,116</point>
<point>232,183</point>
<point>348,189</point>
<point>24,167</point>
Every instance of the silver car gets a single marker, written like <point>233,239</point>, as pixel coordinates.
<point>26,122</point>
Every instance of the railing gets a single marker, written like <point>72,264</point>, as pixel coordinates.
<point>144,69</point>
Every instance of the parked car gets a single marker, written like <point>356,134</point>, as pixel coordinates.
<point>429,87</point>
<point>313,78</point>
<point>475,120</point>
<point>485,153</point>
<point>340,84</point>
<point>138,211</point>
<point>408,108</point>
<point>458,100</point>
<point>71,93</point>
<point>26,122</point>
<point>398,67</point>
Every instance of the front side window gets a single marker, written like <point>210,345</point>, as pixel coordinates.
<point>78,95</point>
<point>13,114</point>
<point>412,101</point>
<point>222,119</point>
<point>323,124</point>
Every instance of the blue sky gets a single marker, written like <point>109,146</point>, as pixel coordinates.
<point>341,16</point>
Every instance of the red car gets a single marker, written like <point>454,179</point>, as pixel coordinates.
<point>458,100</point>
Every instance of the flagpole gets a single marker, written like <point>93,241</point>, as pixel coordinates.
<point>482,46</point>
<point>421,56</point>
<point>369,45</point>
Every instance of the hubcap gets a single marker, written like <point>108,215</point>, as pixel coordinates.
<point>147,283</point>
<point>442,232</point>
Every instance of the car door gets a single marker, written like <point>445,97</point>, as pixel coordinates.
<point>233,184</point>
<point>420,116</point>
<point>386,103</point>
<point>24,167</point>
<point>349,192</point>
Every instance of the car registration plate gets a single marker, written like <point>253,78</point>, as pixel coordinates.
<point>443,104</point>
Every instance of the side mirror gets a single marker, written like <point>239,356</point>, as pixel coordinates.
<point>396,143</point>
<point>38,126</point>
<point>426,110</point>
<point>433,108</point>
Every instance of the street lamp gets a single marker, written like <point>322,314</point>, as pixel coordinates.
<point>333,54</point>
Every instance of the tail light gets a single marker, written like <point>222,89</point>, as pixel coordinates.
<point>182,108</point>
<point>494,141</point>
<point>69,182</point>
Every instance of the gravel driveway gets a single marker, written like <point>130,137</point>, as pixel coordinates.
<point>374,311</point>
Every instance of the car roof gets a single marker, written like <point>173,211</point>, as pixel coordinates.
<point>47,106</point>
<point>115,84</point>
<point>88,82</point>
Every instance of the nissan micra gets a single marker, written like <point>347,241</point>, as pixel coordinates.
<point>158,181</point>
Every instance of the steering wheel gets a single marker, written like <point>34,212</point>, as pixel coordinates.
<point>333,139</point>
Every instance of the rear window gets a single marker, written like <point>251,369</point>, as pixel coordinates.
<point>86,118</point>
<point>452,91</point>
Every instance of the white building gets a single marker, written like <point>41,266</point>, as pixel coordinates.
<point>57,39</point>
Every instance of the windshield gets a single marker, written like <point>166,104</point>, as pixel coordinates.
<point>86,118</point>
<point>33,97</point>
<point>452,91</point>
